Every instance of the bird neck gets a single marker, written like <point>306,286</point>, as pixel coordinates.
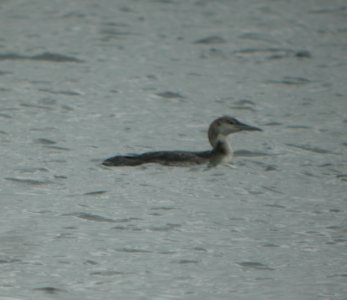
<point>219,142</point>
<point>222,148</point>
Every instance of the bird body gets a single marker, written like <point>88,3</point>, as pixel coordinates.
<point>217,134</point>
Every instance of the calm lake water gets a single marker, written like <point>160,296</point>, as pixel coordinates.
<point>81,81</point>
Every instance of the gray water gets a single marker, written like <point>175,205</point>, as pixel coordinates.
<point>81,81</point>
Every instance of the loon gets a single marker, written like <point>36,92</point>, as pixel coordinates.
<point>217,134</point>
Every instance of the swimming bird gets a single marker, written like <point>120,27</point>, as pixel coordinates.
<point>217,134</point>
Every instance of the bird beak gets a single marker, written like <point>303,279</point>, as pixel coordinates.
<point>242,126</point>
